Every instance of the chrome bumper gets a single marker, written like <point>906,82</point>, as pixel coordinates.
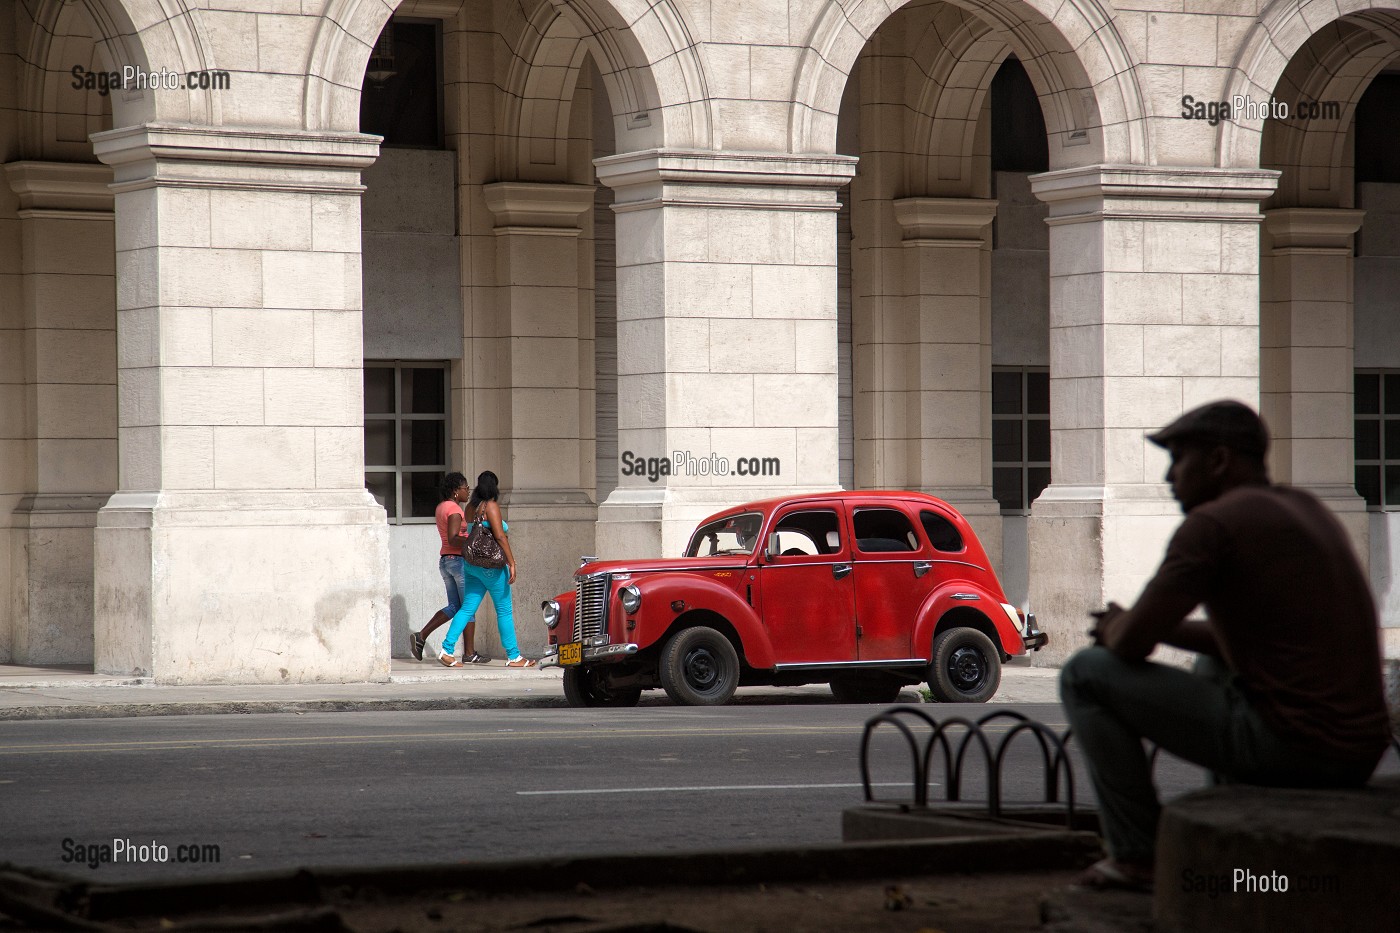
<point>1034,639</point>
<point>598,653</point>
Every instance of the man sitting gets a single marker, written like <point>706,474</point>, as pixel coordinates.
<point>1288,689</point>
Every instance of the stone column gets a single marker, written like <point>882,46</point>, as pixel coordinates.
<point>241,545</point>
<point>1154,309</point>
<point>69,312</point>
<point>540,270</point>
<point>1306,357</point>
<point>939,354</point>
<point>726,335</point>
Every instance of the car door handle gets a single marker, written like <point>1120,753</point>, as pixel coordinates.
<point>840,570</point>
<point>921,567</point>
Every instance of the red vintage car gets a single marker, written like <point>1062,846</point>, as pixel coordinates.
<point>866,591</point>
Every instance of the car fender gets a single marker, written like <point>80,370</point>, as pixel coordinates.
<point>699,593</point>
<point>564,630</point>
<point>944,600</point>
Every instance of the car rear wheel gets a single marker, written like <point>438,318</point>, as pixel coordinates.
<point>966,667</point>
<point>699,667</point>
<point>584,687</point>
<point>864,688</point>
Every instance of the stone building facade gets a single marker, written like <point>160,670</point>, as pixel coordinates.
<point>268,267</point>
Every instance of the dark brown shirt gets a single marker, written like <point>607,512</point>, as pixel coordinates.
<point>1292,610</point>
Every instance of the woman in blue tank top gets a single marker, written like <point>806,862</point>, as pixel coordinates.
<point>478,581</point>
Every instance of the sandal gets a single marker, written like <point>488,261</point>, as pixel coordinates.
<point>449,661</point>
<point>522,661</point>
<point>416,644</point>
<point>1111,875</point>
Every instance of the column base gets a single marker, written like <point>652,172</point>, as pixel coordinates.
<point>549,531</point>
<point>1089,545</point>
<point>52,554</point>
<point>242,587</point>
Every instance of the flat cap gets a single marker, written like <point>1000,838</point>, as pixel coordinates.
<point>1226,423</point>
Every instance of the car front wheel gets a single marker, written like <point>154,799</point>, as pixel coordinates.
<point>583,687</point>
<point>966,667</point>
<point>699,667</point>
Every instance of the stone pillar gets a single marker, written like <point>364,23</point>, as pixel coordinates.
<point>241,545</point>
<point>1154,309</point>
<point>70,373</point>
<point>1306,346</point>
<point>726,336</point>
<point>939,354</point>
<point>540,270</point>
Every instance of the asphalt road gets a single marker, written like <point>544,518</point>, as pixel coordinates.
<point>273,792</point>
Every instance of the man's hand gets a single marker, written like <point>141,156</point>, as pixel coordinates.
<point>1104,622</point>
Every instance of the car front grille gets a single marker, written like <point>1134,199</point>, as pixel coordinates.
<point>590,606</point>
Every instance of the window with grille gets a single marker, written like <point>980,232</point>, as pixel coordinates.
<point>1376,403</point>
<point>405,437</point>
<point>1020,436</point>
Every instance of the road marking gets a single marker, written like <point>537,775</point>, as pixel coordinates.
<point>672,790</point>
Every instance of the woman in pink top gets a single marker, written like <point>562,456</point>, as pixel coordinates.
<point>451,526</point>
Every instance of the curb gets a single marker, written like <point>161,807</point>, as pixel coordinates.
<point>134,710</point>
<point>306,889</point>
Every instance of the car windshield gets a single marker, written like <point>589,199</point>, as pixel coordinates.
<point>737,534</point>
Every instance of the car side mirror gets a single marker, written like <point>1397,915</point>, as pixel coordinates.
<point>772,550</point>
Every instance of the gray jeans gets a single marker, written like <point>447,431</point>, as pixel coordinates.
<point>1199,716</point>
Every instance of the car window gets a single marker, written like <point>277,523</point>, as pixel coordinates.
<point>737,534</point>
<point>817,531</point>
<point>882,530</point>
<point>942,534</point>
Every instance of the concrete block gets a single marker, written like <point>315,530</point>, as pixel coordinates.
<point>1263,859</point>
<point>264,457</point>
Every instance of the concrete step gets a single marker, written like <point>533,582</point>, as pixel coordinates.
<point>1259,859</point>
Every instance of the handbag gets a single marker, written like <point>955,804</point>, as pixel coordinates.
<point>482,549</point>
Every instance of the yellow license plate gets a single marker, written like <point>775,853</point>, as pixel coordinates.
<point>571,653</point>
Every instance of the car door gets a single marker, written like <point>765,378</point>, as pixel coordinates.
<point>808,593</point>
<point>892,575</point>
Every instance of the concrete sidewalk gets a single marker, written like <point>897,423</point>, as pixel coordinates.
<point>76,693</point>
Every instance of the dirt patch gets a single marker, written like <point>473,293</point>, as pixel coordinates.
<point>987,903</point>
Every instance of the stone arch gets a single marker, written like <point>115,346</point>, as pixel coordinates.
<point>1079,63</point>
<point>645,51</point>
<point>1268,51</point>
<point>147,34</point>
<point>1311,149</point>
<point>958,73</point>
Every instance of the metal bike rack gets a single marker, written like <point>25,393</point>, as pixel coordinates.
<point>1052,752</point>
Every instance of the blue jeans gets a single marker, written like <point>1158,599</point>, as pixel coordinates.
<point>1202,717</point>
<point>450,567</point>
<point>476,583</point>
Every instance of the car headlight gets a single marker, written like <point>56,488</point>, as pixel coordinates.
<point>550,609</point>
<point>631,598</point>
<point>1014,616</point>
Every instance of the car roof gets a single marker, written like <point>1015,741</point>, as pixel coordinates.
<point>768,505</point>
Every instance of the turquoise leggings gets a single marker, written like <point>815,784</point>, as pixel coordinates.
<point>476,583</point>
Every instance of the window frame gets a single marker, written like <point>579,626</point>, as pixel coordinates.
<point>403,502</point>
<point>1024,465</point>
<point>1380,417</point>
